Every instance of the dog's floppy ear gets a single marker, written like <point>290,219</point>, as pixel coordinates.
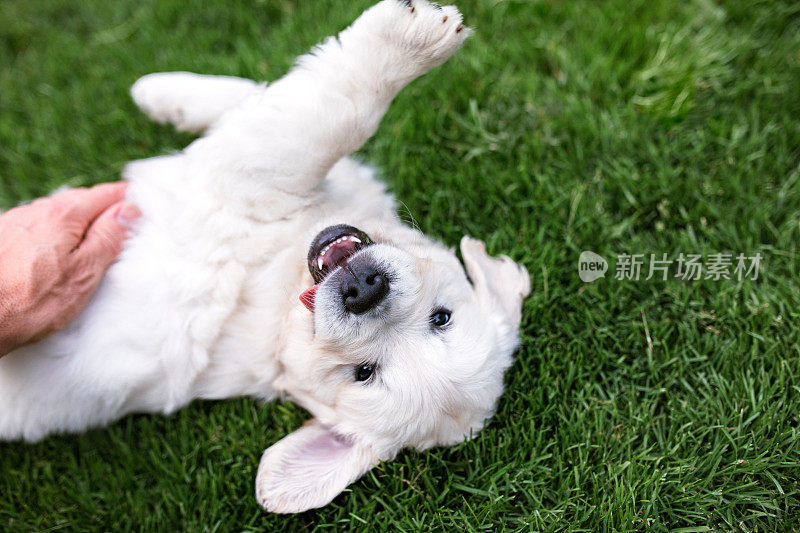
<point>308,468</point>
<point>497,280</point>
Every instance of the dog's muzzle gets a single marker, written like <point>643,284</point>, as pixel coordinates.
<point>362,285</point>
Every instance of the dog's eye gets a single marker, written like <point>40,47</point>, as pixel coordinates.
<point>364,371</point>
<point>440,318</point>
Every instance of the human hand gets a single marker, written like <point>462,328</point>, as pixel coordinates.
<point>53,254</point>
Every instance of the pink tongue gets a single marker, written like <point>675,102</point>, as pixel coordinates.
<point>307,298</point>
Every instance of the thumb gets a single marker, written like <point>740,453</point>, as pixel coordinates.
<point>105,237</point>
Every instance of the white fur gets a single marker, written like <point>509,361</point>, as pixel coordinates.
<point>203,302</point>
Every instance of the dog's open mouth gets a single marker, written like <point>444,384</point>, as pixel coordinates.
<point>329,250</point>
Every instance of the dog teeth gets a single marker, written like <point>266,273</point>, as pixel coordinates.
<point>321,256</point>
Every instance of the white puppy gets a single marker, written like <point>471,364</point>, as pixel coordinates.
<point>401,348</point>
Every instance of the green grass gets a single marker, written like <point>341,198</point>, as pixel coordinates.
<point>614,126</point>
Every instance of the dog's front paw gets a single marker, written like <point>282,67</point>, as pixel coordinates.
<point>154,94</point>
<point>423,33</point>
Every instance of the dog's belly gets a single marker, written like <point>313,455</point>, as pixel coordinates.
<point>138,346</point>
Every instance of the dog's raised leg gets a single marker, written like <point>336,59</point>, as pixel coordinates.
<point>285,141</point>
<point>190,102</point>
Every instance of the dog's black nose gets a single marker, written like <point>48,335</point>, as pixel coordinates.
<point>364,289</point>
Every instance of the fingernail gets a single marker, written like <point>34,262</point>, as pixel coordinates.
<point>127,214</point>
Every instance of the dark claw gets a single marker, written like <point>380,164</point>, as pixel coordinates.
<point>460,27</point>
<point>444,19</point>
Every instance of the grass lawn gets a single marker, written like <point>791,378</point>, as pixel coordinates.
<point>620,126</point>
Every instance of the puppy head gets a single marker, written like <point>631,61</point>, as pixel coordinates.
<point>408,349</point>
